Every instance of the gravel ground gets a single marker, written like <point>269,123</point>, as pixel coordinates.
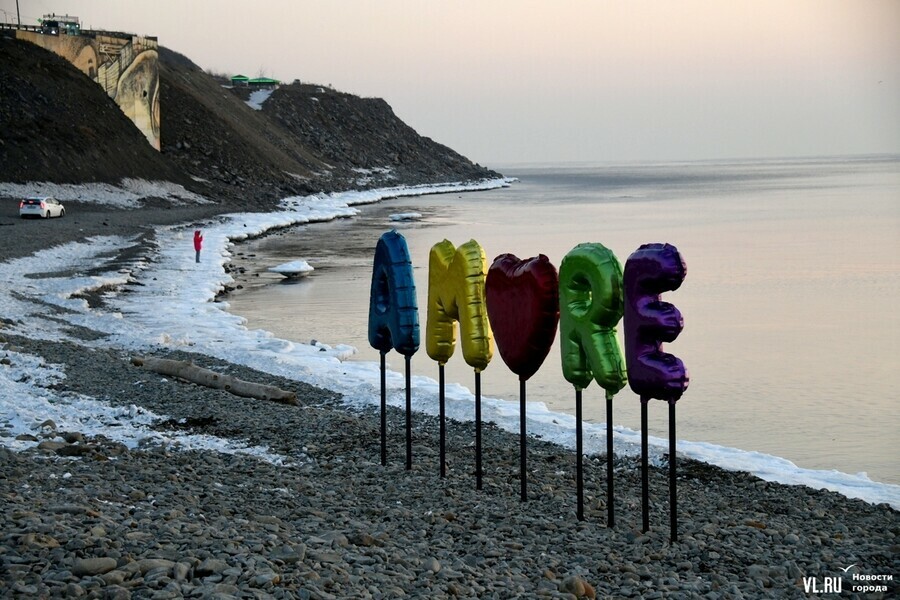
<point>92,518</point>
<point>87,517</point>
<point>22,237</point>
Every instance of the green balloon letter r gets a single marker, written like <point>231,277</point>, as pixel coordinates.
<point>591,304</point>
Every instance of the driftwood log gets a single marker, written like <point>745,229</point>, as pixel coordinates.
<point>190,372</point>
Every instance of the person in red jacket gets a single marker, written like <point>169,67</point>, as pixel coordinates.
<point>198,243</point>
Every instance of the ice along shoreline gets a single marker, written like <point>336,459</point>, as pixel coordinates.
<point>191,321</point>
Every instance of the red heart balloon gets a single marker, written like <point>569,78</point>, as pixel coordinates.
<point>523,307</point>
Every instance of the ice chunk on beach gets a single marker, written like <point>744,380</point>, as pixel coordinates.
<point>296,268</point>
<point>407,216</point>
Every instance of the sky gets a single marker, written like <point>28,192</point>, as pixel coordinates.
<point>529,81</point>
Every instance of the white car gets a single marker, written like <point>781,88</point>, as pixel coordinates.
<point>41,206</point>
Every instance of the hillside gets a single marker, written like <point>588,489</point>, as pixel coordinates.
<point>59,126</point>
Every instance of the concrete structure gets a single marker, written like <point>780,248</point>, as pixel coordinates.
<point>125,65</point>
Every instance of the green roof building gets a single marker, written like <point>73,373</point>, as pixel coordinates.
<point>263,82</point>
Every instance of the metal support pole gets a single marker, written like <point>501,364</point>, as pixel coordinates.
<point>383,412</point>
<point>443,417</point>
<point>477,430</point>
<point>579,467</point>
<point>408,417</point>
<point>610,497</point>
<point>523,443</point>
<point>673,496</point>
<point>645,475</point>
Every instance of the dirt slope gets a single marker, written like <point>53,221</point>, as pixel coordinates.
<point>212,134</point>
<point>56,125</point>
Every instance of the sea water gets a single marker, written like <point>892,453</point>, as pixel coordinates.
<point>790,300</point>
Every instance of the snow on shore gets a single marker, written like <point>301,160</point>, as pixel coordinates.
<point>170,304</point>
<point>257,98</point>
<point>128,194</point>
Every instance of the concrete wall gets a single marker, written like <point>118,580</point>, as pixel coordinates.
<point>126,66</point>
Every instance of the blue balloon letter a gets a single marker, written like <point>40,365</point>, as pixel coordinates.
<point>393,313</point>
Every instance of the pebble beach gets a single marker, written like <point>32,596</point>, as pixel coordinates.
<point>87,516</point>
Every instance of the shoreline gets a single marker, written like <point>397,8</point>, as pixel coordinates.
<point>559,426</point>
<point>154,520</point>
<point>232,228</point>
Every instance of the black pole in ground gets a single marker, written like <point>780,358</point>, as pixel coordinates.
<point>383,412</point>
<point>673,501</point>
<point>408,417</point>
<point>645,475</point>
<point>610,506</point>
<point>579,468</point>
<point>443,416</point>
<point>523,442</point>
<point>477,430</point>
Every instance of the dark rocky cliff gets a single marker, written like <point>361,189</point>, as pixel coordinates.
<point>56,125</point>
<point>364,134</point>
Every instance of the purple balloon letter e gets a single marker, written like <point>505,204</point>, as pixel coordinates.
<point>651,270</point>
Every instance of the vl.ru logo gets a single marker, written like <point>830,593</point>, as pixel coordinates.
<point>859,583</point>
<point>828,585</point>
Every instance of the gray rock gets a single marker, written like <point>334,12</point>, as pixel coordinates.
<point>180,571</point>
<point>115,592</point>
<point>431,564</point>
<point>289,554</point>
<point>38,540</point>
<point>210,566</point>
<point>51,446</point>
<point>266,579</point>
<point>72,437</point>
<point>93,566</point>
<point>150,564</point>
<point>115,577</point>
<point>336,539</point>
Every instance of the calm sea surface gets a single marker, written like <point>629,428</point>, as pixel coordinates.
<point>791,302</point>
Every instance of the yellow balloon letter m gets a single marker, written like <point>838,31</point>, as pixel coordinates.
<point>456,293</point>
